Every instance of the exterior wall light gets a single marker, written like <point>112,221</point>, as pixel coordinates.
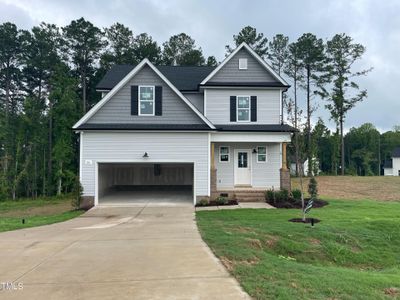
<point>145,155</point>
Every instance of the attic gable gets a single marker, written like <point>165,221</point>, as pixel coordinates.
<point>256,71</point>
<point>115,107</point>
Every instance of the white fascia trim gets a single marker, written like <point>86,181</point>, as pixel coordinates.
<point>271,137</point>
<point>125,80</point>
<point>254,54</point>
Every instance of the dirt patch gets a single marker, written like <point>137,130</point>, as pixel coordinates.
<point>315,242</point>
<point>250,261</point>
<point>255,243</point>
<point>271,241</point>
<point>384,188</point>
<point>307,220</point>
<point>243,229</point>
<point>355,249</point>
<point>45,210</point>
<point>229,265</point>
<point>393,292</point>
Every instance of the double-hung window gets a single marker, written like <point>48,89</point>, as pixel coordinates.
<point>146,100</point>
<point>243,109</point>
<point>261,154</point>
<point>223,154</point>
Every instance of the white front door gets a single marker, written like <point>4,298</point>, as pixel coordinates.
<point>242,167</point>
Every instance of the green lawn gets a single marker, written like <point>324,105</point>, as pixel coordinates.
<point>35,212</point>
<point>354,253</point>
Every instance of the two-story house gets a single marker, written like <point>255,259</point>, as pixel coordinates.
<point>193,132</point>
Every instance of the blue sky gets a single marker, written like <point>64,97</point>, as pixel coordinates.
<point>375,24</point>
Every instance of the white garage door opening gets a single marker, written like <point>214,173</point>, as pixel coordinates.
<point>145,183</point>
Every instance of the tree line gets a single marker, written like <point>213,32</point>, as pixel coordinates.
<point>48,76</point>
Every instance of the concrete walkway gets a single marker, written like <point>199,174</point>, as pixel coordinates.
<point>240,205</point>
<point>141,252</point>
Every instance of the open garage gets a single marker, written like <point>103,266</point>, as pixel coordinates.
<point>141,183</point>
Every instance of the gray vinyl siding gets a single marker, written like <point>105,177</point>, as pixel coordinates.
<point>130,146</point>
<point>264,175</point>
<point>255,72</point>
<point>218,105</point>
<point>118,108</point>
<point>197,99</point>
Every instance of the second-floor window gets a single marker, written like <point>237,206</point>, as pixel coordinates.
<point>243,109</point>
<point>146,100</point>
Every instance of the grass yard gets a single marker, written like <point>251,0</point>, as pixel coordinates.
<point>36,212</point>
<point>354,253</point>
<point>385,188</point>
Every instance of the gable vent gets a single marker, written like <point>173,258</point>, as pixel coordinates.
<point>242,63</point>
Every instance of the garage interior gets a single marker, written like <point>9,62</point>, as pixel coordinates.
<point>141,183</point>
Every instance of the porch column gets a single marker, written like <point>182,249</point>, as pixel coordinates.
<point>212,156</point>
<point>284,171</point>
<point>213,173</point>
<point>284,161</point>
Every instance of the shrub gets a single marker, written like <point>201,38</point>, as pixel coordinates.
<point>221,200</point>
<point>270,195</point>
<point>77,194</point>
<point>283,195</point>
<point>273,196</point>
<point>313,188</point>
<point>296,194</point>
<point>204,202</point>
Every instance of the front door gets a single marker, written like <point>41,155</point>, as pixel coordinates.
<point>242,167</point>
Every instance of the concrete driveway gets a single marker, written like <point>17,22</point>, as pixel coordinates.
<point>141,252</point>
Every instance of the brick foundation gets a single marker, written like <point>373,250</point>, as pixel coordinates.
<point>285,179</point>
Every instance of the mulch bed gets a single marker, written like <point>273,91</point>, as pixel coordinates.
<point>297,203</point>
<point>214,203</point>
<point>308,220</point>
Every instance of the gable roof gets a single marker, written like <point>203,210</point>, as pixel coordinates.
<point>396,152</point>
<point>255,55</point>
<point>184,78</point>
<point>388,164</point>
<point>125,80</point>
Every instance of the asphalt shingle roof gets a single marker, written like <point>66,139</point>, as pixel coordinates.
<point>388,164</point>
<point>396,152</point>
<point>185,78</point>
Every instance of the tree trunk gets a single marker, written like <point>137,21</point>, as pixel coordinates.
<point>308,123</point>
<point>59,180</point>
<point>84,91</point>
<point>49,161</point>
<point>7,113</point>
<point>44,172</point>
<point>341,145</point>
<point>295,118</point>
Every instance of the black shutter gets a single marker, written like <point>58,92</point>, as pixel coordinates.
<point>233,108</point>
<point>158,108</point>
<point>134,100</point>
<point>253,108</point>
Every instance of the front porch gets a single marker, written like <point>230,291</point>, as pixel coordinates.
<point>244,167</point>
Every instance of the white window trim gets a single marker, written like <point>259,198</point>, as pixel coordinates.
<point>219,154</point>
<point>266,156</point>
<point>237,109</point>
<point>152,100</point>
<point>241,67</point>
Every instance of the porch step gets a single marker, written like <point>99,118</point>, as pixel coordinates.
<point>247,195</point>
